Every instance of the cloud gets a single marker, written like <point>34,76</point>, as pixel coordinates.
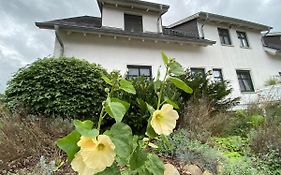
<point>21,42</point>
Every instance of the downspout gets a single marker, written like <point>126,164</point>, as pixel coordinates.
<point>202,26</point>
<point>59,40</point>
<point>159,24</point>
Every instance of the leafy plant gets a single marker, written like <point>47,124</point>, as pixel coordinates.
<point>91,152</point>
<point>217,93</point>
<point>66,87</point>
<point>272,81</point>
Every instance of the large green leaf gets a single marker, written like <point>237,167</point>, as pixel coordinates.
<point>85,128</point>
<point>169,101</point>
<point>180,84</point>
<point>69,144</point>
<point>165,58</point>
<point>122,137</point>
<point>127,86</point>
<point>176,69</point>
<point>126,104</point>
<point>107,80</point>
<point>149,130</point>
<point>138,158</point>
<point>152,166</point>
<point>113,170</point>
<point>116,110</point>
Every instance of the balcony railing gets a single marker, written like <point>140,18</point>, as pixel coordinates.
<point>180,33</point>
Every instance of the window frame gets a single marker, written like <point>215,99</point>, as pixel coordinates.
<point>242,36</point>
<point>139,67</point>
<point>220,78</point>
<point>222,36</point>
<point>131,20</point>
<point>249,78</point>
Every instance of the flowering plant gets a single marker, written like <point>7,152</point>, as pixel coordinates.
<point>117,151</point>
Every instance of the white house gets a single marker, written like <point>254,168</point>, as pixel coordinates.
<point>129,37</point>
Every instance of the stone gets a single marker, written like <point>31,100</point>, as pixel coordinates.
<point>170,170</point>
<point>192,169</point>
<point>207,173</point>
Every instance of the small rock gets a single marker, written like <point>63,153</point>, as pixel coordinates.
<point>170,170</point>
<point>193,170</point>
<point>207,173</point>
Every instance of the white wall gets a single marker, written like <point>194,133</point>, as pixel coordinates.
<point>114,17</point>
<point>118,53</point>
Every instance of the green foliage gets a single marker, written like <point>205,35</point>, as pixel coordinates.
<point>270,162</point>
<point>233,147</point>
<point>272,81</point>
<point>66,87</point>
<point>131,151</point>
<point>242,166</point>
<point>216,92</point>
<point>191,151</point>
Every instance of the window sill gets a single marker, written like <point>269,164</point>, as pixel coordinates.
<point>245,47</point>
<point>248,93</point>
<point>227,45</point>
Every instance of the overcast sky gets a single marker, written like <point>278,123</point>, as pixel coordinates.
<point>21,42</point>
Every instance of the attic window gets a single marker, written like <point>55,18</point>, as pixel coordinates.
<point>133,23</point>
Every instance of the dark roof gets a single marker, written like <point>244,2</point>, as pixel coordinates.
<point>93,24</point>
<point>272,41</point>
<point>210,17</point>
<point>162,8</point>
<point>83,21</point>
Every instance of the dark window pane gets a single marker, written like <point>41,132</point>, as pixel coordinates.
<point>133,71</point>
<point>224,36</point>
<point>245,81</point>
<point>133,23</point>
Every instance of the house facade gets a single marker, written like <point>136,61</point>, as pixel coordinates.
<point>129,36</point>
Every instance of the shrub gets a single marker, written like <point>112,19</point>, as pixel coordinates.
<point>66,87</point>
<point>201,121</point>
<point>216,92</point>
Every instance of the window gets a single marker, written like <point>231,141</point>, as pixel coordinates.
<point>224,36</point>
<point>280,74</point>
<point>197,71</point>
<point>217,74</point>
<point>133,23</point>
<point>243,39</point>
<point>245,81</point>
<point>136,71</point>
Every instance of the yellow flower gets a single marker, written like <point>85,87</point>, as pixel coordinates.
<point>164,121</point>
<point>94,156</point>
<point>170,170</point>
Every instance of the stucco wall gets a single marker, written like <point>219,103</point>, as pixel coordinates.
<point>114,17</point>
<point>118,53</point>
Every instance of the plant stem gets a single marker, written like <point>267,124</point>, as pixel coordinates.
<point>101,117</point>
<point>161,89</point>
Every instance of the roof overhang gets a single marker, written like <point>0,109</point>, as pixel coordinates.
<point>219,19</point>
<point>123,34</point>
<point>135,4</point>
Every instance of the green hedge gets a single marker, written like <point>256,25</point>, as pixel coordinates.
<point>66,87</point>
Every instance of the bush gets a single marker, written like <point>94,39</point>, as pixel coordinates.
<point>217,93</point>
<point>66,87</point>
<point>201,121</point>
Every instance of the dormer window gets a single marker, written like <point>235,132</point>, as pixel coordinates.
<point>133,23</point>
<point>243,39</point>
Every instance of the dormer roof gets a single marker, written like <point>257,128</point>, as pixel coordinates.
<point>135,4</point>
<point>220,19</point>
